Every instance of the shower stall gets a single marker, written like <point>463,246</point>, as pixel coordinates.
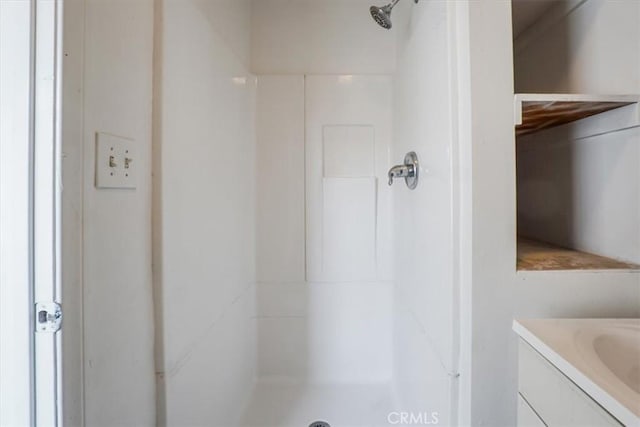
<point>293,284</point>
<point>285,281</point>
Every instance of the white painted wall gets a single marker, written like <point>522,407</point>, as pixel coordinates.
<point>487,371</point>
<point>73,176</point>
<point>492,292</point>
<point>424,219</point>
<point>582,51</point>
<point>108,343</point>
<point>204,211</point>
<point>319,37</point>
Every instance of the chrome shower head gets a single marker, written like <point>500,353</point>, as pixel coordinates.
<point>382,15</point>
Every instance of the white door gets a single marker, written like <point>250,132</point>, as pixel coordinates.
<point>29,220</point>
<point>16,301</point>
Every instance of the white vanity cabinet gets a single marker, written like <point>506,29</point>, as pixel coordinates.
<point>527,417</point>
<point>546,397</point>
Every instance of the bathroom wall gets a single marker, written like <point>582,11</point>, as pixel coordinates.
<point>106,243</point>
<point>318,37</point>
<point>204,211</point>
<point>424,219</point>
<point>597,205</point>
<point>578,50</point>
<point>492,292</point>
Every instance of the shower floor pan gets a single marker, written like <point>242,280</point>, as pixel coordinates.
<point>292,404</point>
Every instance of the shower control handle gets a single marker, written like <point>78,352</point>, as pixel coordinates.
<point>400,171</point>
<point>409,171</point>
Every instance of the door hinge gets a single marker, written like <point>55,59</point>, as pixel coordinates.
<point>48,317</point>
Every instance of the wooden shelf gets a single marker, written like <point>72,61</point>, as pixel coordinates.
<point>534,255</point>
<point>535,112</point>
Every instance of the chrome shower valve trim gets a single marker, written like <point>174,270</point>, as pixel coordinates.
<point>409,171</point>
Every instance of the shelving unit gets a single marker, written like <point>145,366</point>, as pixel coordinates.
<point>537,112</point>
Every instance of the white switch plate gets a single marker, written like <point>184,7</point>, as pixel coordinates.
<point>116,162</point>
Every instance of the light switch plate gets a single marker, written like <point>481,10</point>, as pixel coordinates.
<point>116,161</point>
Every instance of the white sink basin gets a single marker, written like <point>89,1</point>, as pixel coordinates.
<point>618,348</point>
<point>602,356</point>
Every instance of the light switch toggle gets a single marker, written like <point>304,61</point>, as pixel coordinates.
<point>115,166</point>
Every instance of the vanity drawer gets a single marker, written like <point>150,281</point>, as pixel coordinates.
<point>526,415</point>
<point>554,397</point>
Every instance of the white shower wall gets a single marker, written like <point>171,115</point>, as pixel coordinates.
<point>280,181</point>
<point>318,37</point>
<point>204,213</point>
<point>328,319</point>
<point>425,332</point>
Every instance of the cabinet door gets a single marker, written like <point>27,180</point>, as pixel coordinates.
<point>554,397</point>
<point>16,300</point>
<point>526,416</point>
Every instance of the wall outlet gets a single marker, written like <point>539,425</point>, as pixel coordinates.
<point>116,162</point>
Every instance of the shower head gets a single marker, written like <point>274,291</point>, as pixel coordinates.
<point>382,15</point>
